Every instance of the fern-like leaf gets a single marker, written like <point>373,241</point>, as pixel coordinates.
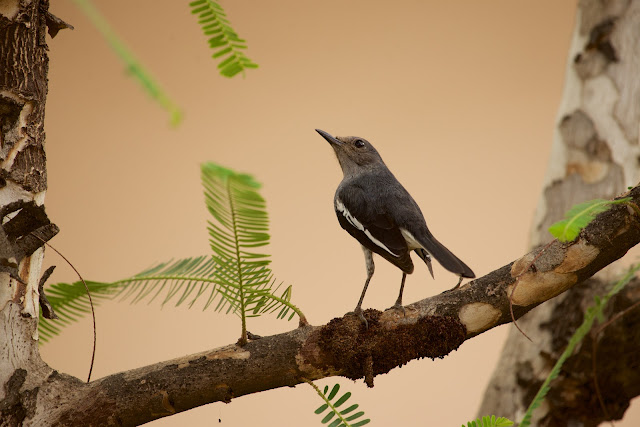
<point>590,316</point>
<point>222,38</point>
<point>579,216</point>
<point>490,421</point>
<point>240,225</point>
<point>341,418</point>
<point>187,281</point>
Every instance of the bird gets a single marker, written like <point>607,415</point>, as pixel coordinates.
<point>375,209</point>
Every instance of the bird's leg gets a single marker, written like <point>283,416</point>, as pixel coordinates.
<point>398,304</point>
<point>455,287</point>
<point>368,258</point>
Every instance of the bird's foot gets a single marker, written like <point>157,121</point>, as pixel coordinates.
<point>398,306</point>
<point>455,287</point>
<point>360,314</point>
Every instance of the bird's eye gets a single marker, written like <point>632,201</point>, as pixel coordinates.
<point>359,143</point>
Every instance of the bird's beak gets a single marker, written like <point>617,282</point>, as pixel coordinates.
<point>332,140</point>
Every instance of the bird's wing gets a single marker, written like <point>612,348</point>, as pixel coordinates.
<point>414,229</point>
<point>375,230</point>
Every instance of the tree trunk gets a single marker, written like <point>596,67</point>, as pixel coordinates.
<point>23,90</point>
<point>595,154</point>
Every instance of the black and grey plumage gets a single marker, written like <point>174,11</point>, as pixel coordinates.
<point>377,211</point>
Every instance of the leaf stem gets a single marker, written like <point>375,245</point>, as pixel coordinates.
<point>243,315</point>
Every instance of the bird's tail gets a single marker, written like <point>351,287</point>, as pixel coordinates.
<point>444,257</point>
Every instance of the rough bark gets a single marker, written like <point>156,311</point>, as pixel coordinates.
<point>23,90</point>
<point>595,154</point>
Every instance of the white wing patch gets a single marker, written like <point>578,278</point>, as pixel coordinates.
<point>411,241</point>
<point>340,207</point>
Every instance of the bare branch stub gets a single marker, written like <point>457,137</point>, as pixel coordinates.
<point>47,309</point>
<point>23,234</point>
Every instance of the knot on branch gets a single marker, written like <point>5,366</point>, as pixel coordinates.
<point>356,352</point>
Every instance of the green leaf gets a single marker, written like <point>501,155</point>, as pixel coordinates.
<point>349,409</point>
<point>328,417</point>
<point>356,415</point>
<point>221,52</point>
<point>322,408</point>
<point>212,19</point>
<point>343,399</point>
<point>334,391</point>
<point>579,217</point>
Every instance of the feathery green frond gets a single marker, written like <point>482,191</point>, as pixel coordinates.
<point>134,67</point>
<point>341,418</point>
<point>490,421</point>
<point>222,38</point>
<point>592,313</point>
<point>185,280</point>
<point>182,280</point>
<point>241,225</point>
<point>579,216</point>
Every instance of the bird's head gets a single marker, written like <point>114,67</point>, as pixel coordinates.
<point>354,153</point>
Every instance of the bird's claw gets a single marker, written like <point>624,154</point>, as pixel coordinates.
<point>360,314</point>
<point>399,307</point>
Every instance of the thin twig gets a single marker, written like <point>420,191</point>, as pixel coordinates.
<point>93,313</point>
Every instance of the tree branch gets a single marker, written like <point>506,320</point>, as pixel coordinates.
<point>431,328</point>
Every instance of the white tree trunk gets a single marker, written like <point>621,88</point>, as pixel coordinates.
<point>595,154</point>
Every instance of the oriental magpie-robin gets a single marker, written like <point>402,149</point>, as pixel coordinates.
<point>380,214</point>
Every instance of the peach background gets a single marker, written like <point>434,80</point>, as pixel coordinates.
<point>459,97</point>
